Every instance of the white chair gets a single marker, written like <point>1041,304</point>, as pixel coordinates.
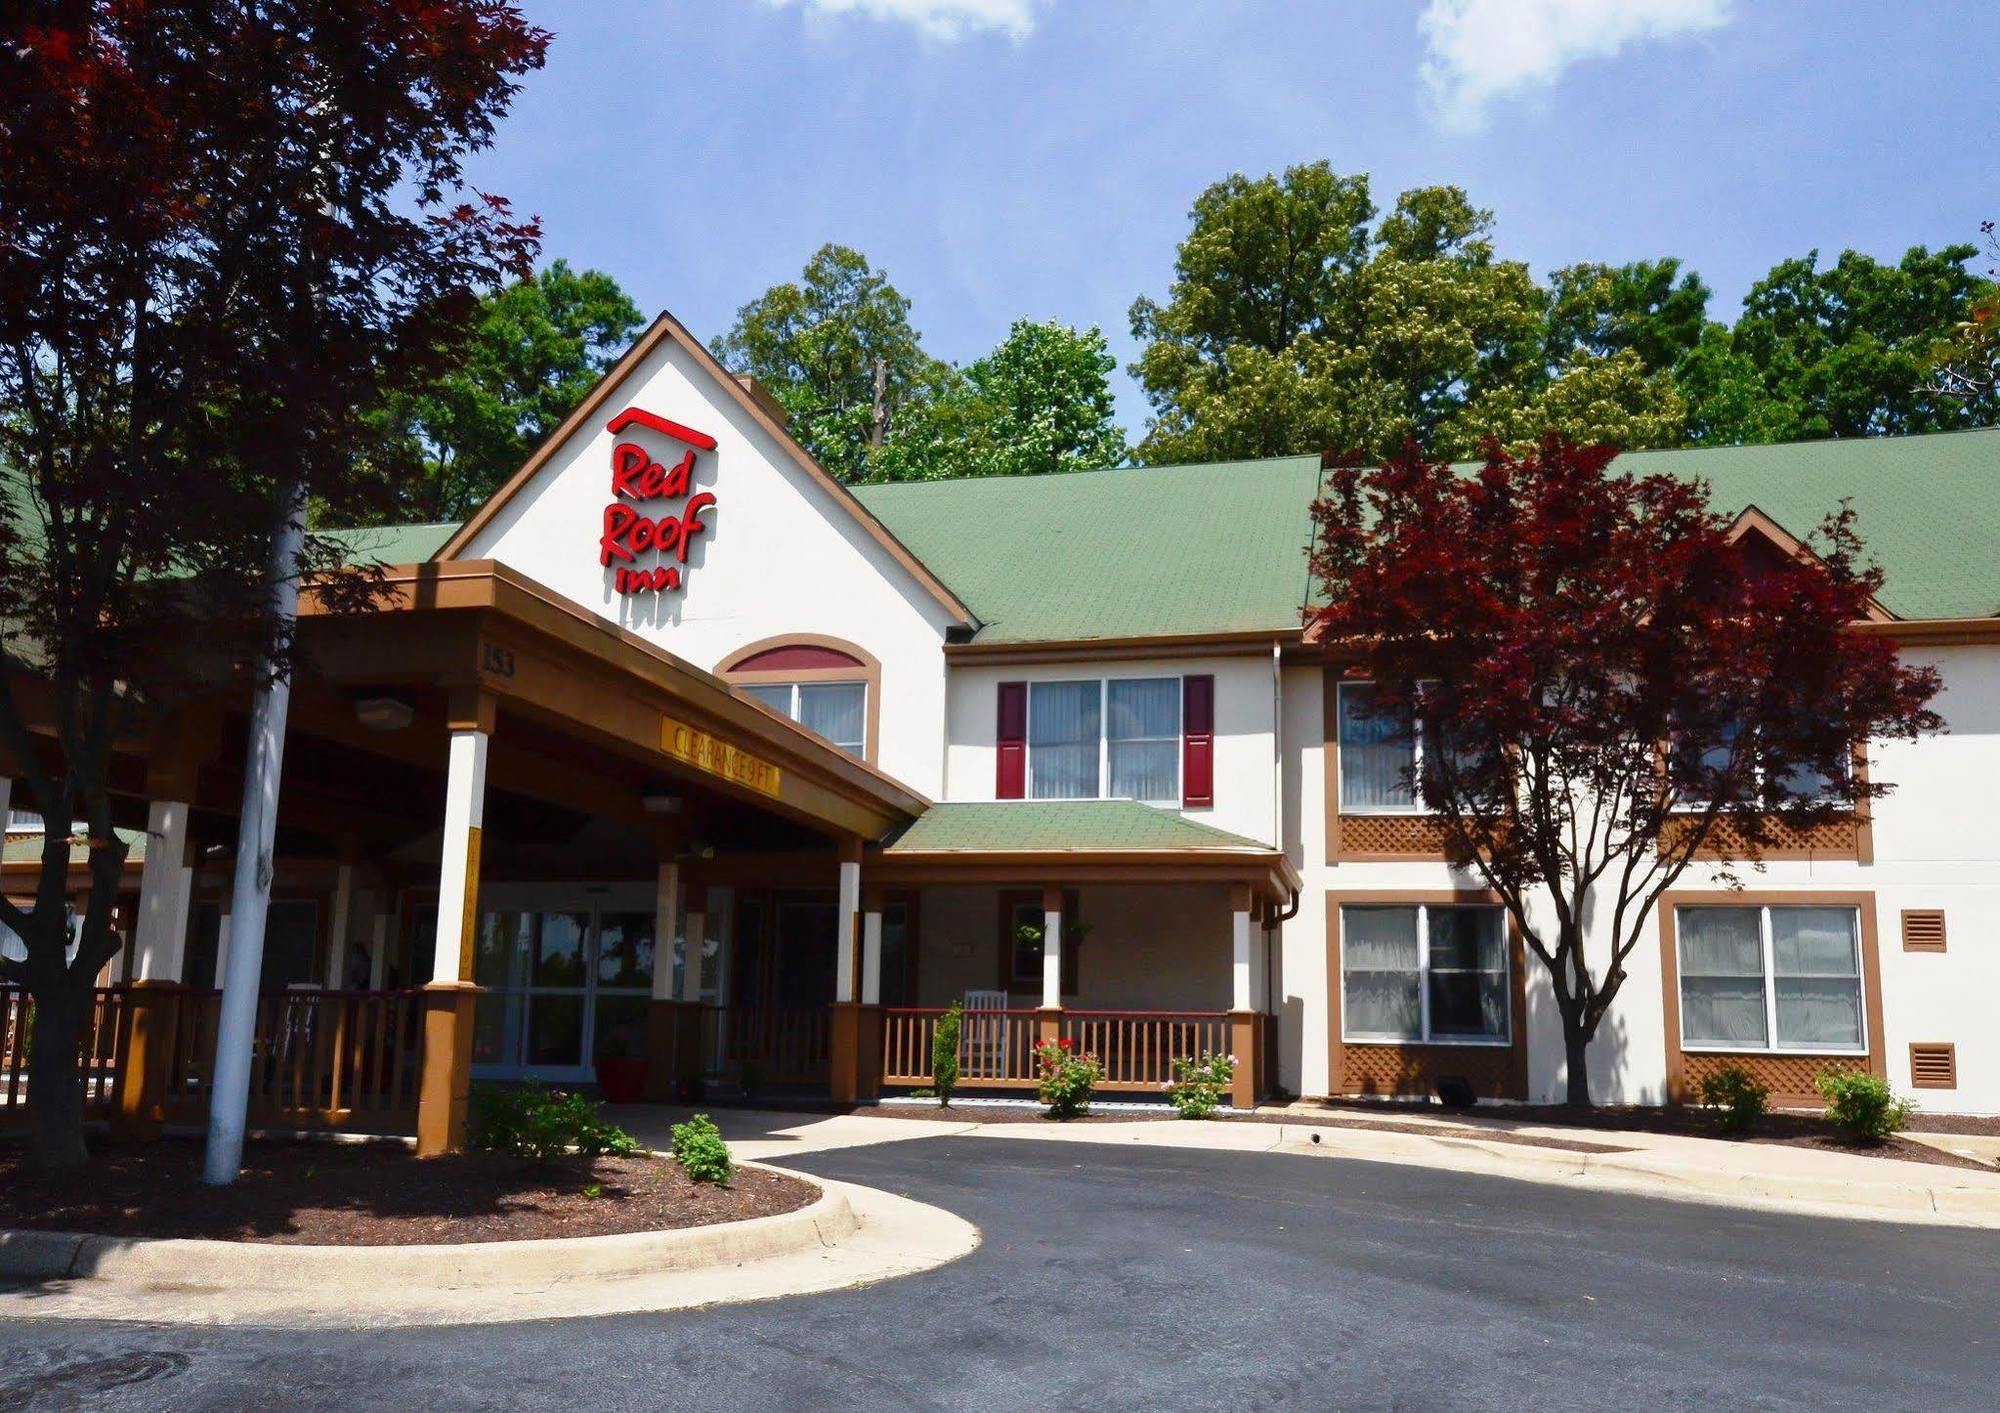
<point>986,1034</point>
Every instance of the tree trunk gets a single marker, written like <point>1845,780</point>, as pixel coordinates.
<point>55,1081</point>
<point>1576,1046</point>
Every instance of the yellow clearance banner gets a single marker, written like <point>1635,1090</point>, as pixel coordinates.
<point>705,752</point>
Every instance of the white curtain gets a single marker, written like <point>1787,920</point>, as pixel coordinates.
<point>1381,973</point>
<point>1376,755</point>
<point>1817,957</point>
<point>1722,977</point>
<point>1144,731</point>
<point>1063,737</point>
<point>837,711</point>
<point>1468,973</point>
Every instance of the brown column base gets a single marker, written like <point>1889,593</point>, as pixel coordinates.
<point>145,1050</point>
<point>673,1050</point>
<point>447,1067</point>
<point>1246,1043</point>
<point>1048,1024</point>
<point>854,1052</point>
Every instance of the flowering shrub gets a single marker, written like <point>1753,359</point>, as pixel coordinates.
<point>1065,1077</point>
<point>1199,1085</point>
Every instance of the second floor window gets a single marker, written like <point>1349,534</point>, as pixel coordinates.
<point>1117,738</point>
<point>836,710</point>
<point>1379,759</point>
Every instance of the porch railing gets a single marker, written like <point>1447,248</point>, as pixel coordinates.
<point>996,1048</point>
<point>787,1044</point>
<point>97,1050</point>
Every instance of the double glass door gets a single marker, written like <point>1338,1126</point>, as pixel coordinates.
<point>567,975</point>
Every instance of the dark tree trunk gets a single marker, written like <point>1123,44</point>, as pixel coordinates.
<point>1576,1047</point>
<point>55,1081</point>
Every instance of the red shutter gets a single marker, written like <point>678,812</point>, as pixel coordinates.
<point>1197,742</point>
<point>1011,752</point>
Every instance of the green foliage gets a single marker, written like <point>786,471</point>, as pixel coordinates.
<point>1040,402</point>
<point>536,350</point>
<point>1647,307</point>
<point>1065,1077</point>
<point>944,1053</point>
<point>1862,1104</point>
<point>533,1121</point>
<point>816,344</point>
<point>1735,1097</point>
<point>1199,1084</point>
<point>698,1147</point>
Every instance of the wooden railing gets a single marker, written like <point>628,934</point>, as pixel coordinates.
<point>1138,1048</point>
<point>97,1049</point>
<point>787,1044</point>
<point>996,1049</point>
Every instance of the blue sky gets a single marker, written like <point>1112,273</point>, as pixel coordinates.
<point>1002,158</point>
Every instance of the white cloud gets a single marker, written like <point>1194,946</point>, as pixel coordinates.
<point>1480,50</point>
<point>946,20</point>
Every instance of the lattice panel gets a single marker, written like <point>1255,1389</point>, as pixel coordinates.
<point>1788,1077</point>
<point>1493,1072</point>
<point>1837,838</point>
<point>1415,835</point>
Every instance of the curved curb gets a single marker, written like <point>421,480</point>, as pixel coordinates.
<point>851,1236</point>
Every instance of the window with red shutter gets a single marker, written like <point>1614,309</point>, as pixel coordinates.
<point>1011,748</point>
<point>1198,742</point>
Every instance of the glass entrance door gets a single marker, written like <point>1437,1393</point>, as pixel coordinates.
<point>567,975</point>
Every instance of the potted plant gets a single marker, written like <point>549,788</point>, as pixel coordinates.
<point>621,1069</point>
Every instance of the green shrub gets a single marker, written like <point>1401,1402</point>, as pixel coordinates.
<point>1735,1097</point>
<point>1199,1085</point>
<point>700,1150</point>
<point>533,1121</point>
<point>1066,1076</point>
<point>1862,1104</point>
<point>944,1053</point>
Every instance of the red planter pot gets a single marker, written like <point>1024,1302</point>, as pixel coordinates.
<point>621,1081</point>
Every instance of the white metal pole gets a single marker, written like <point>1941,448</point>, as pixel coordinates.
<point>250,893</point>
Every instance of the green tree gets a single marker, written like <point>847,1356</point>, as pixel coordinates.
<point>837,350</point>
<point>1846,351</point>
<point>1038,403</point>
<point>1299,322</point>
<point>538,347</point>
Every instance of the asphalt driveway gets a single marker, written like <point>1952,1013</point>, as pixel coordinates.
<point>1137,1277</point>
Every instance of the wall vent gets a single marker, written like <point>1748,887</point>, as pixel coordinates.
<point>1933,1066</point>
<point>1923,929</point>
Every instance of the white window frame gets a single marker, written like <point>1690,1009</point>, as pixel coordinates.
<point>1104,735</point>
<point>1768,954</point>
<point>860,750</point>
<point>1416,808</point>
<point>1501,1042</point>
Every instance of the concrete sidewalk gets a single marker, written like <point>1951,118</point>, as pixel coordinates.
<point>1758,1175</point>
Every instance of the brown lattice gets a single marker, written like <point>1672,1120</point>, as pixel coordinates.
<point>1788,1077</point>
<point>1492,1071</point>
<point>1836,839</point>
<point>1394,834</point>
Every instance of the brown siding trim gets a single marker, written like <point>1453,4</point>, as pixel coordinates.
<point>1495,1071</point>
<point>1367,838</point>
<point>1788,1075</point>
<point>867,669</point>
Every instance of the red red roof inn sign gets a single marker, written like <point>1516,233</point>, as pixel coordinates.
<point>641,519</point>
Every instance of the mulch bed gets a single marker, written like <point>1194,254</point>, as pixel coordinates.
<point>377,1194</point>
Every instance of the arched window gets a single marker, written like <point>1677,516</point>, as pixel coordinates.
<point>830,687</point>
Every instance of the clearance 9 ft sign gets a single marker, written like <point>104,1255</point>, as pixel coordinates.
<point>655,512</point>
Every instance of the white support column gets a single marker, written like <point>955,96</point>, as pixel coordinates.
<point>1052,945</point>
<point>164,879</point>
<point>849,904</point>
<point>871,957</point>
<point>666,915</point>
<point>696,938</point>
<point>1244,997</point>
<point>338,927</point>
<point>458,870</point>
<point>6,798</point>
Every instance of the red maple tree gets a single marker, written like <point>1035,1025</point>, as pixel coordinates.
<point>1610,684</point>
<point>228,231</point>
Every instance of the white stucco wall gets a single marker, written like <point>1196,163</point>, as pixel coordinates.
<point>781,555</point>
<point>1245,740</point>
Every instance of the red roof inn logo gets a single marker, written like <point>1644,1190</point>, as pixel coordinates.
<point>638,480</point>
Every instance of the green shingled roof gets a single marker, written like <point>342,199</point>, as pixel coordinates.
<point>1033,826</point>
<point>394,544</point>
<point>27,848</point>
<point>1114,554</point>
